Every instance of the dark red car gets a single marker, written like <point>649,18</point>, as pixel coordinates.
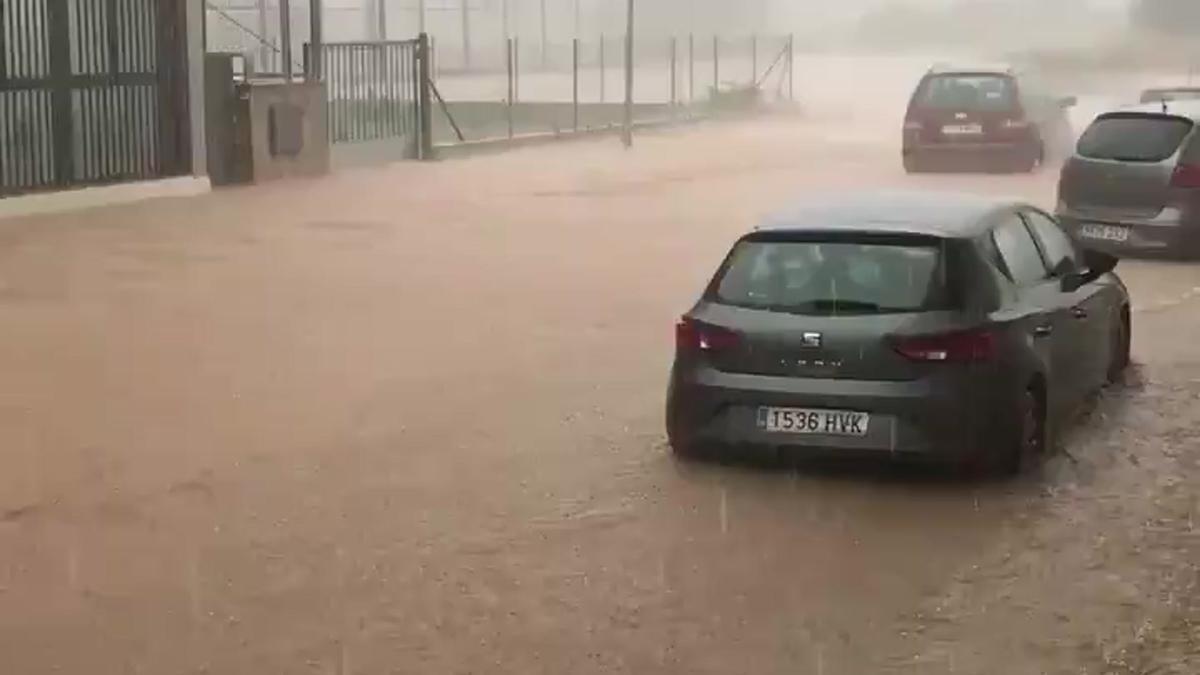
<point>983,118</point>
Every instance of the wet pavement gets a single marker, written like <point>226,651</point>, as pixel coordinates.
<point>409,420</point>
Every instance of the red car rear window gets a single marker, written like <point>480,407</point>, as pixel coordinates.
<point>967,92</point>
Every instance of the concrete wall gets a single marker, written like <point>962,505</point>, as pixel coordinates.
<point>314,159</point>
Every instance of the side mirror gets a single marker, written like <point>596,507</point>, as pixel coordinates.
<point>1068,101</point>
<point>1099,263</point>
<point>1073,282</point>
<point>1095,265</point>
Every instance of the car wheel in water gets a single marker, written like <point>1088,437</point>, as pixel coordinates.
<point>1033,162</point>
<point>1121,343</point>
<point>684,451</point>
<point>1026,441</point>
<point>682,447</point>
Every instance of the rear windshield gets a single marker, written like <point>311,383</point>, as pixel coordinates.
<point>967,92</point>
<point>824,278</point>
<point>1134,137</point>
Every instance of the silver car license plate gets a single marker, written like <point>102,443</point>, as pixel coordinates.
<point>962,129</point>
<point>813,421</point>
<point>1104,232</point>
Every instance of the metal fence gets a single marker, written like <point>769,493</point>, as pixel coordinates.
<point>91,91</point>
<point>374,91</point>
<point>253,30</point>
<point>681,70</point>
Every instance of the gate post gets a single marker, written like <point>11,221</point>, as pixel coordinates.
<point>791,47</point>
<point>59,43</point>
<point>716,65</point>
<point>516,68</point>
<point>691,68</point>
<point>753,59</point>
<point>508,69</point>
<point>603,69</point>
<point>674,73</point>
<point>424,98</point>
<point>285,38</point>
<point>315,61</point>
<point>575,82</point>
<point>194,94</point>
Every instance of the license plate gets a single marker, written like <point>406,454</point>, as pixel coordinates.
<point>809,421</point>
<point>962,129</point>
<point>1104,232</point>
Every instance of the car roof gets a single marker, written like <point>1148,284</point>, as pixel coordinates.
<point>938,214</point>
<point>971,69</point>
<point>1187,108</point>
<point>1167,90</point>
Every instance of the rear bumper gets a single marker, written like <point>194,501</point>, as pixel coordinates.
<point>972,154</point>
<point>954,416</point>
<point>1170,233</point>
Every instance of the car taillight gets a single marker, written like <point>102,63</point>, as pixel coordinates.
<point>1016,124</point>
<point>959,347</point>
<point>913,125</point>
<point>1186,176</point>
<point>692,335</point>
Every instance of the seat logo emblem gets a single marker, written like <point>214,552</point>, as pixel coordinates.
<point>811,340</point>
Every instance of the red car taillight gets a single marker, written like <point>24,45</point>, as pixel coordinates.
<point>960,347</point>
<point>694,336</point>
<point>1186,176</point>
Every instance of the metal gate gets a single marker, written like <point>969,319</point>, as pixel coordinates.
<point>374,91</point>
<point>91,91</point>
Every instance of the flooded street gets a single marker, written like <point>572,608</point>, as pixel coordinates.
<point>410,420</point>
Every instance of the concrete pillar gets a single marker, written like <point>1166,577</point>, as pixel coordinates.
<point>195,73</point>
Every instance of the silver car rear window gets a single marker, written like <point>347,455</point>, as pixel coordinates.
<point>831,278</point>
<point>1134,137</point>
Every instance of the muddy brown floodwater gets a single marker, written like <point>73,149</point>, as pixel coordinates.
<point>408,420</point>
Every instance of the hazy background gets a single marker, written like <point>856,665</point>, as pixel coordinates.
<point>1067,36</point>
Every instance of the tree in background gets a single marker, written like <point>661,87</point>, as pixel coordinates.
<point>1167,16</point>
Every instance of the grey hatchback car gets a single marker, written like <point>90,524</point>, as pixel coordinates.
<point>1133,184</point>
<point>902,326</point>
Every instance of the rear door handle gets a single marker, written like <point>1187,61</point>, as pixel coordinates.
<point>1043,331</point>
<point>1079,313</point>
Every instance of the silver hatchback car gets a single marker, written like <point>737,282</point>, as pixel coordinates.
<point>1133,183</point>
